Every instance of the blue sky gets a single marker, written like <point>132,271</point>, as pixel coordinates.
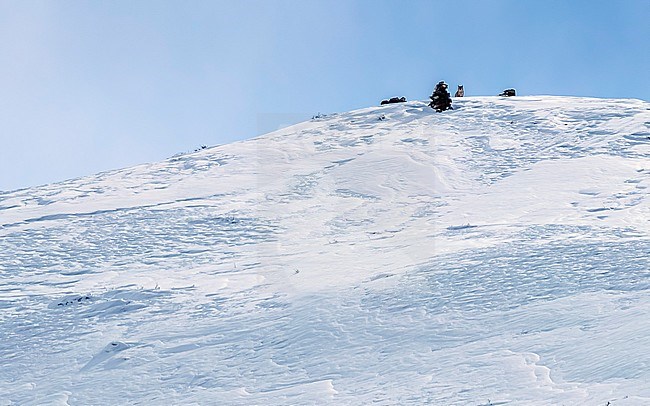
<point>97,85</point>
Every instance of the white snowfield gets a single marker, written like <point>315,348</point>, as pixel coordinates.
<point>496,254</point>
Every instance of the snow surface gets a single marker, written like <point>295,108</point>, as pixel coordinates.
<point>496,254</point>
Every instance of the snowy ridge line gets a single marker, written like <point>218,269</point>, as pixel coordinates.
<point>494,254</point>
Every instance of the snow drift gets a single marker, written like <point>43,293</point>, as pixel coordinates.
<point>493,254</point>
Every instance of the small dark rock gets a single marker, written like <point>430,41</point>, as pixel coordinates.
<point>394,100</point>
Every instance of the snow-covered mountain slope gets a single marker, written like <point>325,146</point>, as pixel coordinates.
<point>493,254</point>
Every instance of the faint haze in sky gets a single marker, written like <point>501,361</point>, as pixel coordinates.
<point>92,86</point>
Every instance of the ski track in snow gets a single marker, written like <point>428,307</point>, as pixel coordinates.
<point>496,254</point>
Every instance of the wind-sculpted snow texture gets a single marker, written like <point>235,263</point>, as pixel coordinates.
<point>495,254</point>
